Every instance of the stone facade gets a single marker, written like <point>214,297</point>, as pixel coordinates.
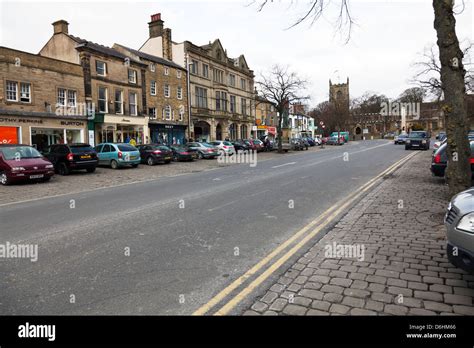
<point>221,88</point>
<point>42,100</point>
<point>266,118</point>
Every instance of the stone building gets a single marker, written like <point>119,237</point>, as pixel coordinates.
<point>42,100</point>
<point>266,118</point>
<point>114,84</point>
<point>339,95</point>
<point>221,89</point>
<point>166,96</point>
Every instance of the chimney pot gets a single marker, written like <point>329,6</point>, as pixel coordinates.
<point>61,26</point>
<point>156,26</point>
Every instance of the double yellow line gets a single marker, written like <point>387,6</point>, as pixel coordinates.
<point>321,222</point>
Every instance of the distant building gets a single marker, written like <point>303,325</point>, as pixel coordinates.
<point>266,118</point>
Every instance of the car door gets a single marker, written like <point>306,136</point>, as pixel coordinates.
<point>105,155</point>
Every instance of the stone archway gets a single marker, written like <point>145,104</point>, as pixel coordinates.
<point>219,132</point>
<point>202,131</point>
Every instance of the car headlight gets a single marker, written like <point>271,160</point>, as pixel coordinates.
<point>466,223</point>
<point>49,166</point>
<point>17,169</point>
<point>423,141</point>
<point>408,141</point>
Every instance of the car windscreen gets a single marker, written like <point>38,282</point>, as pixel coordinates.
<point>126,148</point>
<point>417,135</point>
<point>19,152</point>
<point>208,145</point>
<point>81,149</point>
<point>227,143</point>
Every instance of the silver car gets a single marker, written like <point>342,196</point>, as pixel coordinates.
<point>459,221</point>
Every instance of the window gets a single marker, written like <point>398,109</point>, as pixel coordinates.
<point>132,76</point>
<point>180,93</point>
<point>205,70</point>
<point>201,97</point>
<point>153,87</point>
<point>167,91</point>
<point>243,84</point>
<point>181,112</point>
<point>243,106</point>
<point>71,98</point>
<point>102,100</point>
<point>61,97</point>
<point>167,113</point>
<point>218,76</point>
<point>25,92</point>
<point>100,68</point>
<point>132,100</point>
<point>152,113</point>
<point>233,106</point>
<point>232,80</point>
<point>194,67</point>
<point>152,67</point>
<point>118,102</point>
<point>221,101</point>
<point>178,73</point>
<point>167,71</point>
<point>12,91</point>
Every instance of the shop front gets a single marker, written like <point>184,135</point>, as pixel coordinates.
<point>122,129</point>
<point>168,134</point>
<point>263,131</point>
<point>41,132</point>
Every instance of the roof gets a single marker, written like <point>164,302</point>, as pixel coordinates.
<point>152,58</point>
<point>101,48</point>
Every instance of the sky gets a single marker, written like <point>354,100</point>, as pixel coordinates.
<point>388,37</point>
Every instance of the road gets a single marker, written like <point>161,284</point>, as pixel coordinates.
<point>167,246</point>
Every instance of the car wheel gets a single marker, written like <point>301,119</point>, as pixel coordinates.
<point>4,180</point>
<point>90,170</point>
<point>114,164</point>
<point>63,169</point>
<point>407,148</point>
<point>200,156</point>
<point>175,158</point>
<point>150,161</point>
<point>167,162</point>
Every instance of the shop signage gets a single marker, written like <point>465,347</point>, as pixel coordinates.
<point>19,120</point>
<point>72,123</point>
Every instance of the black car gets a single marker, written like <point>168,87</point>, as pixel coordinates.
<point>310,141</point>
<point>69,157</point>
<point>417,140</point>
<point>182,153</point>
<point>241,145</point>
<point>155,153</point>
<point>439,160</point>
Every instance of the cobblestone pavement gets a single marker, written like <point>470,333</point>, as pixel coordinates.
<point>405,270</point>
<point>106,177</point>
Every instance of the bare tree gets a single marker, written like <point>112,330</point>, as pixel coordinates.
<point>412,95</point>
<point>452,74</point>
<point>282,88</point>
<point>428,71</point>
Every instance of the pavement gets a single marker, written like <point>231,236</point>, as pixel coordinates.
<point>168,245</point>
<point>404,269</point>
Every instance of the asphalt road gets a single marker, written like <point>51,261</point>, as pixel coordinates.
<point>189,236</point>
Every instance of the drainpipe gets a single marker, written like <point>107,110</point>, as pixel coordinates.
<point>188,83</point>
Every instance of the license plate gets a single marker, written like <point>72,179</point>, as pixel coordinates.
<point>133,157</point>
<point>167,158</point>
<point>39,176</point>
<point>415,145</point>
<point>86,157</point>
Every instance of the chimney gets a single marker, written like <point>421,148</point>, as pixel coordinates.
<point>167,44</point>
<point>61,26</point>
<point>156,25</point>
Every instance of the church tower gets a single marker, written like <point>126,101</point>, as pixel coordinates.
<point>339,94</point>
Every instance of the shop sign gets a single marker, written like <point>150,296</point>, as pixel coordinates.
<point>19,120</point>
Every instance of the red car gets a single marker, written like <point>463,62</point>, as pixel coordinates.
<point>23,163</point>
<point>255,144</point>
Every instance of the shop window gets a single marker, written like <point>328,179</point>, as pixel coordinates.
<point>12,91</point>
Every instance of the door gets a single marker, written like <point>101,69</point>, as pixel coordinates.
<point>104,155</point>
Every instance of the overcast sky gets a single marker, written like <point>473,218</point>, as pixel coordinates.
<point>388,37</point>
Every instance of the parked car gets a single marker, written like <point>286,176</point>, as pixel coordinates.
<point>459,222</point>
<point>202,150</point>
<point>333,140</point>
<point>223,146</point>
<point>298,144</point>
<point>344,135</point>
<point>182,153</point>
<point>118,155</point>
<point>241,145</point>
<point>69,157</point>
<point>260,146</point>
<point>155,153</point>
<point>439,160</point>
<point>400,139</point>
<point>310,141</point>
<point>417,140</point>
<point>23,163</point>
<point>440,136</point>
